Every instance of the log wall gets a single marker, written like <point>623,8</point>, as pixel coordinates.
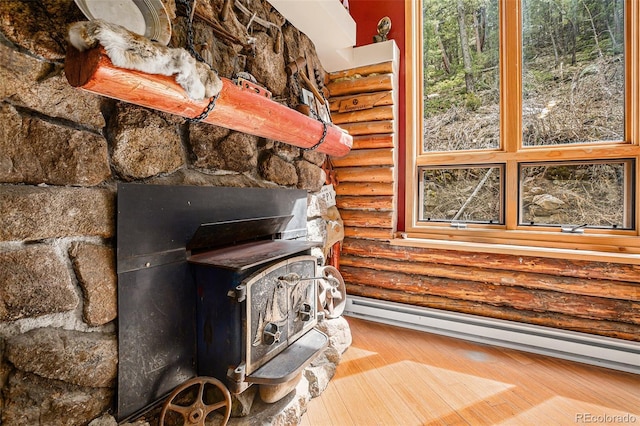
<point>593,297</point>
<point>362,103</point>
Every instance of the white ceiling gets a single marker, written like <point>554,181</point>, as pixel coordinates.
<point>329,26</point>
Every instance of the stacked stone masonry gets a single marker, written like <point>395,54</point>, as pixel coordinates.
<point>62,152</point>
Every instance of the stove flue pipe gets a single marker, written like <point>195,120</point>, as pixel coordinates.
<point>236,109</point>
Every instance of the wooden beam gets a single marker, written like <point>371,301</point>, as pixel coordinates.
<point>360,102</point>
<point>371,114</point>
<point>530,280</point>
<point>561,267</point>
<point>366,157</point>
<point>384,203</point>
<point>369,127</point>
<point>602,327</point>
<point>373,141</point>
<point>381,68</point>
<point>496,295</point>
<point>367,219</point>
<point>368,233</point>
<point>358,188</point>
<point>235,108</point>
<point>364,174</point>
<point>372,83</point>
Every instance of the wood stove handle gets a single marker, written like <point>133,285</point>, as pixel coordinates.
<point>305,312</point>
<point>271,333</point>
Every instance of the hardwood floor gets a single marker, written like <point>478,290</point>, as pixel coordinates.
<point>395,376</point>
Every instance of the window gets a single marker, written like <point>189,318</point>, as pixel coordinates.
<point>463,194</point>
<point>529,126</point>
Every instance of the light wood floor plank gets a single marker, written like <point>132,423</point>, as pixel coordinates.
<point>395,376</point>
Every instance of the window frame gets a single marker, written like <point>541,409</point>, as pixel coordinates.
<point>513,237</point>
<point>499,167</point>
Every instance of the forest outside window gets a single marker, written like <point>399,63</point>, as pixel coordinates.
<point>462,194</point>
<point>529,129</point>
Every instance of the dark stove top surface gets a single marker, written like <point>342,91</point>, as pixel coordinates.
<point>248,255</point>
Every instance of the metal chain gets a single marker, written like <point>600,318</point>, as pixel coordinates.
<point>190,33</point>
<point>324,130</point>
<point>205,113</point>
<point>190,47</point>
<point>316,116</point>
<point>324,133</point>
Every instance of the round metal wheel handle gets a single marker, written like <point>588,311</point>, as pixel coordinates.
<point>335,297</point>
<point>196,413</point>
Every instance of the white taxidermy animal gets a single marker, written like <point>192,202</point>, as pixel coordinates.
<point>133,51</point>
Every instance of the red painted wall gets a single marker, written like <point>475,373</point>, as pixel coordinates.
<point>367,13</point>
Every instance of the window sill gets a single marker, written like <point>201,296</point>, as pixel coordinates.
<point>519,250</point>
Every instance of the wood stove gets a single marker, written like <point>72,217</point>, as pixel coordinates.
<point>212,281</point>
<point>257,304</point>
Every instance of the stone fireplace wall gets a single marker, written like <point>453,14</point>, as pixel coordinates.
<point>63,150</point>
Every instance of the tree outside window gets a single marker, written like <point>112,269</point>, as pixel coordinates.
<point>525,117</point>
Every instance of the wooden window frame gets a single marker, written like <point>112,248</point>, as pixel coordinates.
<point>462,166</point>
<point>619,245</point>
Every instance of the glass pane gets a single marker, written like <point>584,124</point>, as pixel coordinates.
<point>461,75</point>
<point>576,194</point>
<point>573,71</point>
<point>462,194</point>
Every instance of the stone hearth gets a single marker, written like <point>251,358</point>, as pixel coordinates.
<point>288,410</point>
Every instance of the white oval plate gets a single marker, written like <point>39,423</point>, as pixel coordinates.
<point>145,17</point>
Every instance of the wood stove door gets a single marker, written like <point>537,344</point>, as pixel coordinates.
<point>280,308</point>
<point>303,298</point>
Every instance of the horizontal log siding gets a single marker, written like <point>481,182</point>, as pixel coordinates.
<point>372,114</point>
<point>365,174</point>
<point>374,141</point>
<point>365,157</point>
<point>369,128</point>
<point>380,203</point>
<point>359,85</point>
<point>369,233</point>
<point>361,103</point>
<point>602,327</point>
<point>343,104</point>
<point>367,219</point>
<point>593,297</point>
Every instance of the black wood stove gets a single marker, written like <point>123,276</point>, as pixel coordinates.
<point>212,281</point>
<point>257,303</point>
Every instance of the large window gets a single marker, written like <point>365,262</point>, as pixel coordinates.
<point>529,123</point>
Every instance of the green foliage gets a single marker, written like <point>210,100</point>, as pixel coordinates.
<point>445,93</point>
<point>472,102</point>
<point>555,33</point>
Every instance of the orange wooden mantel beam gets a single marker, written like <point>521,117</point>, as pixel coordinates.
<point>236,109</point>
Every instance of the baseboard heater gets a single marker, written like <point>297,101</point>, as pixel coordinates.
<point>581,347</point>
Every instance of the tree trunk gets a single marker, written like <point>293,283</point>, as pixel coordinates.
<point>574,43</point>
<point>480,20</point>
<point>593,28</point>
<point>615,30</point>
<point>555,47</point>
<point>443,51</point>
<point>617,22</point>
<point>466,54</point>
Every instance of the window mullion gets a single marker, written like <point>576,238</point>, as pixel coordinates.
<point>510,102</point>
<point>632,122</point>
<point>511,195</point>
<point>510,75</point>
<point>632,53</point>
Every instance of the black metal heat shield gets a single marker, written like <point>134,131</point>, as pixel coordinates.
<point>156,288</point>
